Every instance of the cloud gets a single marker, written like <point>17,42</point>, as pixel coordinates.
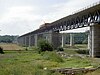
<point>21,13</point>
<point>22,16</point>
<point>67,8</point>
<point>19,20</point>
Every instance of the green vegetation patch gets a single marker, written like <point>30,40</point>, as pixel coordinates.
<point>32,63</point>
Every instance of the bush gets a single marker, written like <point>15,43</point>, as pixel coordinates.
<point>44,45</point>
<point>1,50</point>
<point>82,51</point>
<point>60,49</point>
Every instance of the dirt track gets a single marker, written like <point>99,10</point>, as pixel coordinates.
<point>10,46</point>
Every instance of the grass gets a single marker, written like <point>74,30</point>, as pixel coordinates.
<point>32,63</point>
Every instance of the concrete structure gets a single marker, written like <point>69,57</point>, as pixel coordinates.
<point>89,40</point>
<point>95,40</point>
<point>63,40</point>
<point>87,17</point>
<point>72,32</point>
<point>35,39</point>
<point>71,39</point>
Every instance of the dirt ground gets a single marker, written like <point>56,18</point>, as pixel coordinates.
<point>10,46</point>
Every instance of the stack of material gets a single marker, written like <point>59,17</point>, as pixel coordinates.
<point>74,71</point>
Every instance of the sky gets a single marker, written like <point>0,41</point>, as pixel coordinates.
<point>18,17</point>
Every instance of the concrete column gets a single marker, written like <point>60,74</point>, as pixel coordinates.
<point>89,40</point>
<point>25,41</point>
<point>63,39</point>
<point>32,40</point>
<point>29,40</point>
<point>56,39</point>
<point>48,36</point>
<point>92,41</point>
<point>36,38</point>
<point>71,39</point>
<point>53,37</point>
<point>95,40</point>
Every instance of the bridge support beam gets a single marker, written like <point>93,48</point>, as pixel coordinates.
<point>88,40</point>
<point>36,39</point>
<point>53,37</point>
<point>71,39</point>
<point>95,40</point>
<point>63,39</point>
<point>25,41</point>
<point>29,40</point>
<point>56,39</point>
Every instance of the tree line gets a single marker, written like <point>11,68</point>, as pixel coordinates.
<point>7,38</point>
<point>79,38</point>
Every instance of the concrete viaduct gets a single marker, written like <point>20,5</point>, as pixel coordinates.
<point>89,16</point>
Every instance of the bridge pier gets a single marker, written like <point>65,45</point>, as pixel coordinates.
<point>95,40</point>
<point>29,40</point>
<point>88,40</point>
<point>56,39</point>
<point>25,41</point>
<point>71,39</point>
<point>52,37</point>
<point>48,36</point>
<point>36,39</point>
<point>63,39</point>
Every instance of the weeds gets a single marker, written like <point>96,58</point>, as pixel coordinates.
<point>52,56</point>
<point>32,63</point>
<point>1,50</point>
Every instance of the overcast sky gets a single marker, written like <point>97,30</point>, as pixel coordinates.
<point>22,16</point>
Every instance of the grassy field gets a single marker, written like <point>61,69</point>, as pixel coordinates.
<point>32,63</point>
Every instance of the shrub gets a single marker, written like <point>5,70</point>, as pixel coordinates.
<point>60,49</point>
<point>82,51</point>
<point>44,45</point>
<point>26,49</point>
<point>1,50</point>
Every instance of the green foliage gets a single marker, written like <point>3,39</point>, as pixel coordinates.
<point>79,38</point>
<point>76,62</point>
<point>60,49</point>
<point>82,51</point>
<point>49,72</point>
<point>52,56</point>
<point>44,45</point>
<point>32,63</point>
<point>1,50</point>
<point>7,38</point>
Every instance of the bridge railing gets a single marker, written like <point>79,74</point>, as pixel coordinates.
<point>94,4</point>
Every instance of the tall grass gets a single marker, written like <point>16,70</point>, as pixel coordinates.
<point>52,56</point>
<point>32,63</point>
